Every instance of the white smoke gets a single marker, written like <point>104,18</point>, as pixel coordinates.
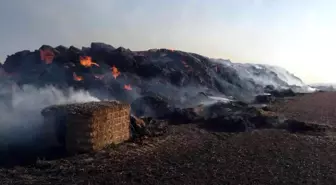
<point>262,74</point>
<point>285,76</point>
<point>20,110</point>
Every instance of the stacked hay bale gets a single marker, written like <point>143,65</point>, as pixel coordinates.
<point>85,127</point>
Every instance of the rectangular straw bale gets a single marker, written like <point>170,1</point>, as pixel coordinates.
<point>91,126</point>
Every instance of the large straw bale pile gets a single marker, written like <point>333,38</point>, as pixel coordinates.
<point>85,127</point>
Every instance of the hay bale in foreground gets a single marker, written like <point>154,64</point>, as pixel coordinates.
<point>85,127</point>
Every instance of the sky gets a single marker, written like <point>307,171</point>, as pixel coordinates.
<point>299,35</point>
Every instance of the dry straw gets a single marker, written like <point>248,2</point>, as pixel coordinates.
<point>90,126</point>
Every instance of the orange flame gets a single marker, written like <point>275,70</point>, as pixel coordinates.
<point>128,87</point>
<point>115,72</point>
<point>47,55</point>
<point>77,78</point>
<point>86,61</point>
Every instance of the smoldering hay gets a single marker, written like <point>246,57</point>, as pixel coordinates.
<point>53,75</point>
<point>125,74</point>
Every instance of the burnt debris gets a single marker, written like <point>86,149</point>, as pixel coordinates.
<point>126,75</point>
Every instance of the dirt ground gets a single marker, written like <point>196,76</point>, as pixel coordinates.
<point>188,154</point>
<point>317,108</point>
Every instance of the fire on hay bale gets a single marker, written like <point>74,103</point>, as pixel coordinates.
<point>85,127</point>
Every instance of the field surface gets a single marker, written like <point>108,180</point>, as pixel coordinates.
<point>317,108</point>
<point>188,154</point>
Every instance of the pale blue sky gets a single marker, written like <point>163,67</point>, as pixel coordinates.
<point>298,35</point>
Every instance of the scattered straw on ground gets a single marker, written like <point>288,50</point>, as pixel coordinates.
<point>190,155</point>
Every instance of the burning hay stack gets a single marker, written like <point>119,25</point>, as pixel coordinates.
<point>91,126</point>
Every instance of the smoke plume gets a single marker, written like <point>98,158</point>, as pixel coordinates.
<point>20,110</point>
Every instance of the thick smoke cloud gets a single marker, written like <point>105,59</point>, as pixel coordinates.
<point>20,111</point>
